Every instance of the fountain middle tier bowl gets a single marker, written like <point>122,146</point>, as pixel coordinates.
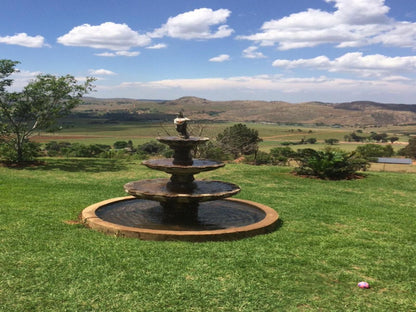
<point>204,190</point>
<point>168,166</point>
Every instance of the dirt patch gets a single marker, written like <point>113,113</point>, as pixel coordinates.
<point>47,138</point>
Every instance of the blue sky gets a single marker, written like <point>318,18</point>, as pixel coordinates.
<point>299,50</point>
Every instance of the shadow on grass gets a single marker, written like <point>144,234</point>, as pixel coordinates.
<point>75,165</point>
<point>279,224</point>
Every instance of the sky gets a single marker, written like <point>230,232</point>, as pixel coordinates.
<point>295,51</point>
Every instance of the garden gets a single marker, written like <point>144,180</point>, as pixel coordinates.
<point>341,227</point>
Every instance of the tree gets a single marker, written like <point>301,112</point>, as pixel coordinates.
<point>393,139</point>
<point>378,137</point>
<point>38,107</point>
<point>369,151</point>
<point>331,141</point>
<point>410,149</point>
<point>239,140</point>
<point>7,67</point>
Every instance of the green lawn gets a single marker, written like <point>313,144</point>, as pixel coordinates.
<point>332,235</point>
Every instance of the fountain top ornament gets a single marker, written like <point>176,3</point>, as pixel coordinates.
<point>181,123</point>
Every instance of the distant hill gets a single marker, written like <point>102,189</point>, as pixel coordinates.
<point>359,113</point>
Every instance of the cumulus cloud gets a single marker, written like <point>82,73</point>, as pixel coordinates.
<point>109,35</point>
<point>119,53</point>
<point>157,46</point>
<point>21,78</point>
<point>24,40</point>
<point>196,24</point>
<point>251,52</point>
<point>357,63</point>
<point>354,23</point>
<point>220,58</point>
<point>101,72</point>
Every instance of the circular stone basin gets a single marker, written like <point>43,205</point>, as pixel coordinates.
<point>198,165</point>
<point>156,189</point>
<point>227,219</point>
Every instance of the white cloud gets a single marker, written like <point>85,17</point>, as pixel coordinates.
<point>119,53</point>
<point>101,72</point>
<point>24,40</point>
<point>220,58</point>
<point>354,23</point>
<point>370,65</point>
<point>270,87</point>
<point>196,24</point>
<point>127,53</point>
<point>251,52</point>
<point>157,46</point>
<point>21,78</point>
<point>109,35</point>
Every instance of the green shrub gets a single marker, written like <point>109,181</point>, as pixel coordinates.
<point>329,164</point>
<point>260,158</point>
<point>368,151</point>
<point>30,150</point>
<point>409,150</point>
<point>152,148</point>
<point>211,150</point>
<point>120,144</point>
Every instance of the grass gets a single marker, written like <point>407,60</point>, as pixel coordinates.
<point>333,234</point>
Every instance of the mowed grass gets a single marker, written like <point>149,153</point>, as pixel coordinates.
<point>332,235</point>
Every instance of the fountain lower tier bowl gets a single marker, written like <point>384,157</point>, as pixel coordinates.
<point>227,219</point>
<point>158,190</point>
<point>197,166</point>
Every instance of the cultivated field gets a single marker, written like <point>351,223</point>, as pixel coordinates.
<point>87,132</point>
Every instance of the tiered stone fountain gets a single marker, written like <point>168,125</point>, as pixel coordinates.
<point>181,208</point>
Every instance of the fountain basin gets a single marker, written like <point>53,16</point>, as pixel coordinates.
<point>227,219</point>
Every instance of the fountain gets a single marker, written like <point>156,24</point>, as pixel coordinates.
<point>181,208</point>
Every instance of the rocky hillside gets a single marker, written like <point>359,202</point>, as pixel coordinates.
<point>363,113</point>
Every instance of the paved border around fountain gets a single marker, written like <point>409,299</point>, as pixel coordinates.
<point>266,225</point>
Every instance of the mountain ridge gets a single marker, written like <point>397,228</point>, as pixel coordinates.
<point>361,113</point>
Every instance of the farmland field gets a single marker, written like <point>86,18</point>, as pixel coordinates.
<point>97,131</point>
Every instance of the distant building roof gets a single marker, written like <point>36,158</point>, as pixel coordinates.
<point>390,160</point>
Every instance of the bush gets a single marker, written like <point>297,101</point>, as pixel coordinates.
<point>120,144</point>
<point>260,158</point>
<point>30,150</point>
<point>152,148</point>
<point>409,150</point>
<point>329,164</point>
<point>211,150</point>
<point>281,155</point>
<point>54,148</point>
<point>368,151</point>
<point>331,141</point>
<point>82,150</point>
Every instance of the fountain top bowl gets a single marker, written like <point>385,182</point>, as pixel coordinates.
<point>181,140</point>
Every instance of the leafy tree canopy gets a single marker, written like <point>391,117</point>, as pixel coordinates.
<point>37,107</point>
<point>239,140</point>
